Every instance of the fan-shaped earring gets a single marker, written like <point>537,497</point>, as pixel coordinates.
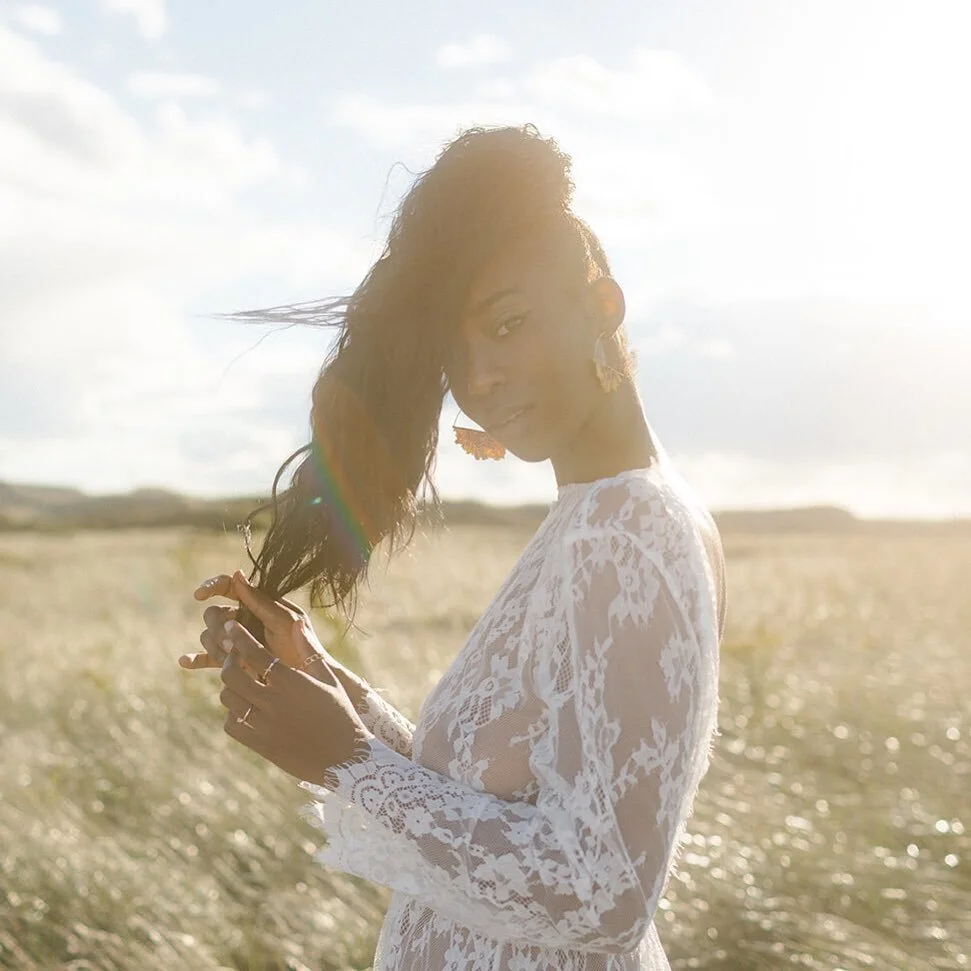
<point>608,376</point>
<point>478,443</point>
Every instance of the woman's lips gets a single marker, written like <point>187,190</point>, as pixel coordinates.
<point>511,420</point>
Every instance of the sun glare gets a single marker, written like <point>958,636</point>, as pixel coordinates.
<point>893,173</point>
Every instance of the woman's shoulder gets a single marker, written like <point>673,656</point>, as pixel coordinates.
<point>660,518</point>
<point>639,502</point>
<point>655,508</point>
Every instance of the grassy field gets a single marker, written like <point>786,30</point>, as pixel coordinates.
<point>832,831</point>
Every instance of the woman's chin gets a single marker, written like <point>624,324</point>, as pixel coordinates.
<point>527,451</point>
<point>523,442</point>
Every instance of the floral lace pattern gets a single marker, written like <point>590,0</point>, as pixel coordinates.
<point>534,815</point>
<point>386,722</point>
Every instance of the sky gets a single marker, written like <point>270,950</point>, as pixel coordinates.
<point>781,188</point>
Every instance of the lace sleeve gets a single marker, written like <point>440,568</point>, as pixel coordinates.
<point>386,722</point>
<point>585,866</point>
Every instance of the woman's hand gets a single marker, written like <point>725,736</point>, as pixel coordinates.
<point>290,635</point>
<point>302,724</point>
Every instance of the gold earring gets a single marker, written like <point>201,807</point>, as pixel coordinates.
<point>608,376</point>
<point>480,444</point>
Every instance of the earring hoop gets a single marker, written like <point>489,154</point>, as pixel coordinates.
<point>608,376</point>
<point>477,443</point>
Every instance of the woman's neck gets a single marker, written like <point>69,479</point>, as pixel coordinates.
<point>615,437</point>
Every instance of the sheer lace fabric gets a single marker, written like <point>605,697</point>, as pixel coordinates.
<point>533,816</point>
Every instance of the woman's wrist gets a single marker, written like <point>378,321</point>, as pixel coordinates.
<point>354,686</point>
<point>309,660</point>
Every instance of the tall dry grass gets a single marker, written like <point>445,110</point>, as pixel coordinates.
<point>831,831</point>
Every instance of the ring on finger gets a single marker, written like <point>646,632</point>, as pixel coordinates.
<point>266,673</point>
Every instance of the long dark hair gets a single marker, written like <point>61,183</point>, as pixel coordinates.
<point>379,395</point>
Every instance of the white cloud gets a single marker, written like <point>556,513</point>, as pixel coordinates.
<point>716,348</point>
<point>41,20</point>
<point>149,15</point>
<point>481,49</point>
<point>494,89</point>
<point>253,98</point>
<point>69,139</point>
<point>665,339</point>
<point>419,124</point>
<point>155,84</point>
<point>114,229</point>
<point>935,485</point>
<point>669,338</point>
<point>660,85</point>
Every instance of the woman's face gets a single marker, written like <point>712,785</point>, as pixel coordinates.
<point>524,344</point>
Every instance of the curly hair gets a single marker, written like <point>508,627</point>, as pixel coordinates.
<point>377,401</point>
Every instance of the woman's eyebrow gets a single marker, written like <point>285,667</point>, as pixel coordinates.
<point>485,304</point>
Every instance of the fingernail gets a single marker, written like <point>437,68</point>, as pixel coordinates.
<point>229,626</point>
<point>227,645</point>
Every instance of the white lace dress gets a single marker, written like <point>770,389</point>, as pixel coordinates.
<point>532,817</point>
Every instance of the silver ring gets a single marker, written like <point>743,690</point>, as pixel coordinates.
<point>262,678</point>
<point>243,721</point>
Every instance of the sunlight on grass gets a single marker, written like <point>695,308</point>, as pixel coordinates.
<point>830,832</point>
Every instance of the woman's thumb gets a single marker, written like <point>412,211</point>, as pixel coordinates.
<point>257,603</point>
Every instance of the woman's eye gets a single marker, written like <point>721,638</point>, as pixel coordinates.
<point>510,323</point>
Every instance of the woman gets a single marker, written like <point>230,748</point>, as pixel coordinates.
<point>533,815</point>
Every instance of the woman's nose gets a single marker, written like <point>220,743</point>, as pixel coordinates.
<point>483,373</point>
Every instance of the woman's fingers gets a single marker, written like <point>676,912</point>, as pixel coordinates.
<point>215,616</point>
<point>198,660</point>
<point>213,639</point>
<point>296,608</point>
<point>212,657</point>
<point>249,655</point>
<point>258,603</point>
<point>274,614</point>
<point>236,704</point>
<point>217,586</point>
<point>213,643</point>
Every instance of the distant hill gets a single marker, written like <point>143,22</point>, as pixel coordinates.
<point>832,519</point>
<point>53,508</point>
<point>47,508</point>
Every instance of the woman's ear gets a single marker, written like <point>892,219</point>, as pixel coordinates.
<point>607,304</point>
